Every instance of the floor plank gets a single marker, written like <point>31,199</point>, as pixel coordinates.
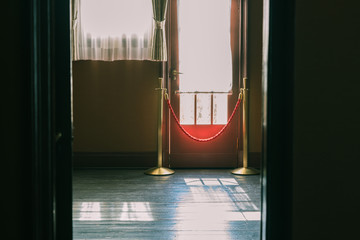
<point>191,204</point>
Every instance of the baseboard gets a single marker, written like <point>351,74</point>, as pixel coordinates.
<point>202,160</point>
<point>114,159</point>
<point>146,160</point>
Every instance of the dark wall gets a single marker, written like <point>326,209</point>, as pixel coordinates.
<point>15,121</point>
<point>115,106</point>
<point>326,147</point>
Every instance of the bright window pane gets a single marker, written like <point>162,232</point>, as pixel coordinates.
<point>204,45</point>
<point>203,109</point>
<point>116,17</point>
<point>220,108</point>
<point>187,107</point>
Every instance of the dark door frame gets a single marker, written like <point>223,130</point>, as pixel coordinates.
<point>51,135</point>
<point>277,94</point>
<point>51,198</point>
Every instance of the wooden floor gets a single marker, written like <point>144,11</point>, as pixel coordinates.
<point>191,204</point>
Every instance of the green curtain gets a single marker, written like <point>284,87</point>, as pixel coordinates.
<point>75,11</point>
<point>158,49</point>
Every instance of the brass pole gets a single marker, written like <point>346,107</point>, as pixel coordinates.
<point>245,170</point>
<point>159,170</point>
<point>159,125</point>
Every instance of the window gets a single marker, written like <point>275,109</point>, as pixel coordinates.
<point>205,60</point>
<point>112,29</point>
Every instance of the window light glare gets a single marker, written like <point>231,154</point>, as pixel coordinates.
<point>116,17</point>
<point>204,58</point>
<point>187,108</point>
<point>220,109</point>
<point>212,182</point>
<point>203,109</point>
<point>204,45</point>
<point>122,211</point>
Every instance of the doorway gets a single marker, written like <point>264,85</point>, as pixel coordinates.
<point>204,82</point>
<point>220,154</point>
<point>277,175</point>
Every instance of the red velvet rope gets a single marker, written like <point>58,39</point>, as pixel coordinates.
<point>203,139</point>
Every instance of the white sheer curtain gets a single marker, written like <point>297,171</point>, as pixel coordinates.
<point>111,30</point>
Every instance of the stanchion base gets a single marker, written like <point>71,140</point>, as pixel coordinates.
<point>159,171</point>
<point>245,171</point>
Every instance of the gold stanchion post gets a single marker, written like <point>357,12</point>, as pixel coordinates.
<point>245,170</point>
<point>159,170</point>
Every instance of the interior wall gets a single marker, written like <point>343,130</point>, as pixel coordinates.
<point>115,106</point>
<point>115,102</point>
<point>326,107</point>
